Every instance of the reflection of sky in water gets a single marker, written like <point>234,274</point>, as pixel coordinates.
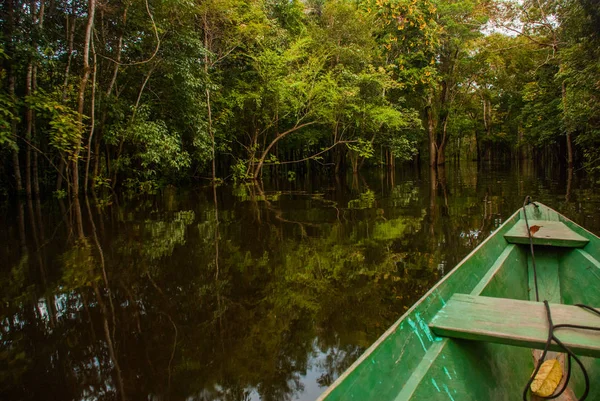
<point>311,389</point>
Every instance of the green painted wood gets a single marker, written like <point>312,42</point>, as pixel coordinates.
<point>548,286</point>
<point>593,247</point>
<point>502,281</point>
<point>552,233</point>
<point>383,370</point>
<point>401,363</point>
<point>579,285</point>
<point>472,370</point>
<point>546,262</point>
<point>579,274</point>
<point>514,322</point>
<point>541,212</point>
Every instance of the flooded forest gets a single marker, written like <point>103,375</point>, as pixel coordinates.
<point>231,200</point>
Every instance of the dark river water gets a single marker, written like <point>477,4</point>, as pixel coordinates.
<point>268,294</point>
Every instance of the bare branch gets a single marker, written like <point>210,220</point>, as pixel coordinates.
<point>155,29</point>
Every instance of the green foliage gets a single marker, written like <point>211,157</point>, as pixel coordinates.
<point>156,150</point>
<point>362,147</point>
<point>64,129</point>
<point>256,83</point>
<point>239,171</point>
<point>7,117</point>
<point>59,194</point>
<point>366,200</point>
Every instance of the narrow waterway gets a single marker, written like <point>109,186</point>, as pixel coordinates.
<point>269,293</point>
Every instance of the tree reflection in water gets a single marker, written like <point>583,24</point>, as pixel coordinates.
<point>270,297</point>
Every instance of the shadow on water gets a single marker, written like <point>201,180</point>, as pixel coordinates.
<point>239,293</point>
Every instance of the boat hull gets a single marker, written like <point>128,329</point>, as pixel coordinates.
<point>409,362</point>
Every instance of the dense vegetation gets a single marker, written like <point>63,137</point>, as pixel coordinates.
<point>136,94</point>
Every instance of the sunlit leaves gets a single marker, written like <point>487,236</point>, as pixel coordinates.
<point>410,31</point>
<point>64,127</point>
<point>156,147</point>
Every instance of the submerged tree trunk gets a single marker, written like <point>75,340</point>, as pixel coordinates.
<point>354,161</point>
<point>433,184</point>
<point>441,151</point>
<point>431,134</point>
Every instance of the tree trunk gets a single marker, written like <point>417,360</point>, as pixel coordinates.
<point>70,40</point>
<point>35,165</point>
<point>265,153</point>
<point>338,157</point>
<point>40,26</point>
<point>207,46</point>
<point>9,31</point>
<point>433,184</point>
<point>487,122</point>
<point>212,136</point>
<point>431,134</point>
<point>61,171</point>
<point>446,101</point>
<point>131,120</point>
<point>354,159</point>
<point>111,85</point>
<point>441,151</point>
<point>36,181</point>
<point>81,97</point>
<point>567,126</point>
<point>28,122</point>
<point>92,122</point>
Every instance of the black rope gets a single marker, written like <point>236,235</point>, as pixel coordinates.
<point>552,327</point>
<point>567,350</point>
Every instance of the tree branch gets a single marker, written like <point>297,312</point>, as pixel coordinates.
<point>312,156</point>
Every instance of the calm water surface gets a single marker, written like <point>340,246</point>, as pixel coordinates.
<point>269,294</point>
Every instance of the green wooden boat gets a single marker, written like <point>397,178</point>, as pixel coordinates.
<point>471,337</point>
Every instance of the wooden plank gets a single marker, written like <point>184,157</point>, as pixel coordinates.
<point>544,232</point>
<point>514,322</point>
<point>546,262</point>
<point>549,290</point>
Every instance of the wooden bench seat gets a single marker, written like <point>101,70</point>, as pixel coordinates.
<point>515,322</point>
<point>545,232</point>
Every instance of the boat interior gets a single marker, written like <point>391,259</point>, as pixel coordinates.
<point>474,336</point>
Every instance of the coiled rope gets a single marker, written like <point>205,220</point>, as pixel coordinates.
<point>552,327</point>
